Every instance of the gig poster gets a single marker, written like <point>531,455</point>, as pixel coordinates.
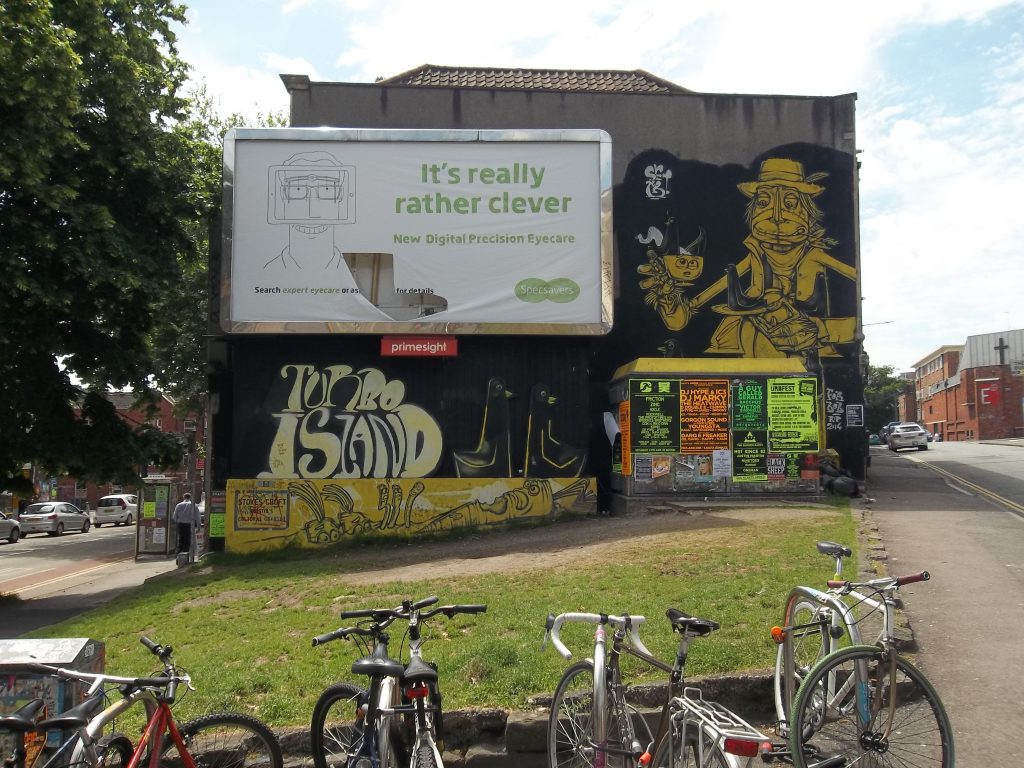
<point>703,416</point>
<point>654,415</point>
<point>749,430</point>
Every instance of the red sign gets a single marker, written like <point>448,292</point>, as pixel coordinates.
<point>419,346</point>
<point>988,394</point>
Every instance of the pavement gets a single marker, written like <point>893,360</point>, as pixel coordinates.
<point>75,591</point>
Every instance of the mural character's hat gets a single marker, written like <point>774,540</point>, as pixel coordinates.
<point>779,172</point>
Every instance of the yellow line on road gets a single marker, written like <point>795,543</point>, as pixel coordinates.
<point>67,576</point>
<point>1014,506</point>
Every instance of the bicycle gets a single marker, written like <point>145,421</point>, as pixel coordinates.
<point>866,703</point>
<point>353,727</point>
<point>30,726</point>
<point>824,620</point>
<point>591,723</point>
<point>219,740</point>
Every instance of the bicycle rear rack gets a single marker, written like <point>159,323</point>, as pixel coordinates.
<point>726,723</point>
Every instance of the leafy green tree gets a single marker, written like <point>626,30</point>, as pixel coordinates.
<point>97,218</point>
<point>882,388</point>
<point>178,338</point>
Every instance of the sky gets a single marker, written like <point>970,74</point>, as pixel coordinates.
<point>940,109</point>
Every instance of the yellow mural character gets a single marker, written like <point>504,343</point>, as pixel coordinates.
<point>782,309</point>
<point>669,270</point>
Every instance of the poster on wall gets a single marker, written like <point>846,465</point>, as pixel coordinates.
<point>654,415</point>
<point>749,407</point>
<point>792,414</point>
<point>624,438</point>
<point>703,415</point>
<point>424,231</point>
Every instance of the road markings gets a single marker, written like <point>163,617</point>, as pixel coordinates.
<point>67,576</point>
<point>1012,506</point>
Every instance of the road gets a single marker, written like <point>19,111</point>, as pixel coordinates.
<point>957,510</point>
<point>57,577</point>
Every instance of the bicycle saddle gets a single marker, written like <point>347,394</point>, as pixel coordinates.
<point>23,719</point>
<point>684,622</point>
<point>420,671</point>
<point>377,665</point>
<point>833,549</point>
<point>76,717</point>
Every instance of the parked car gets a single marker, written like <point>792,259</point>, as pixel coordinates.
<point>874,439</point>
<point>883,433</point>
<point>908,436</point>
<point>53,517</point>
<point>118,508</point>
<point>10,528</point>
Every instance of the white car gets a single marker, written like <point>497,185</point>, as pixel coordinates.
<point>908,436</point>
<point>118,508</point>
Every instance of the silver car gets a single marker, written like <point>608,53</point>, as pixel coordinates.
<point>908,436</point>
<point>10,528</point>
<point>53,517</point>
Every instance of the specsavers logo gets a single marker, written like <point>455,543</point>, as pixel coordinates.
<point>561,290</point>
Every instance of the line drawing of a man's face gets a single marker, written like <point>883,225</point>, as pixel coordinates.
<point>311,188</point>
<point>311,192</point>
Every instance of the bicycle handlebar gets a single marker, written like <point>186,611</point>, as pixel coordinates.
<point>553,626</point>
<point>887,582</point>
<point>74,674</point>
<point>380,614</point>
<point>382,617</point>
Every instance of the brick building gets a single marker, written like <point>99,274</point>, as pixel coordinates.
<point>191,428</point>
<point>973,391</point>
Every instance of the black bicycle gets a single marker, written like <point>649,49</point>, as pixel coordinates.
<point>354,727</point>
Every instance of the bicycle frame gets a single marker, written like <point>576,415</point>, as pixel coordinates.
<point>161,722</point>
<point>867,698</point>
<point>420,694</point>
<point>625,627</point>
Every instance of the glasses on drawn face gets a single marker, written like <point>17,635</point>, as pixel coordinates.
<point>307,187</point>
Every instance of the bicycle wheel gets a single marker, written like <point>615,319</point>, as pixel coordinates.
<point>843,709</point>
<point>680,749</point>
<point>115,751</point>
<point>571,725</point>
<point>809,647</point>
<point>226,740</point>
<point>424,757</point>
<point>336,730</point>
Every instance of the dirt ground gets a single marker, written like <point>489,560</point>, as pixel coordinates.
<point>560,544</point>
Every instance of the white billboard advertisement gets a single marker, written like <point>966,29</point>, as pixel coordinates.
<point>373,231</point>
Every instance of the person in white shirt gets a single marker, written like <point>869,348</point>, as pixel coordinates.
<point>186,516</point>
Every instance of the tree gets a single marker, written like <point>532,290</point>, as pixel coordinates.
<point>181,313</point>
<point>882,388</point>
<point>97,217</point>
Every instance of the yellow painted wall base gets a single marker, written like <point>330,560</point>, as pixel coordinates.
<point>270,514</point>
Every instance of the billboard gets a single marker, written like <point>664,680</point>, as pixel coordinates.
<point>417,231</point>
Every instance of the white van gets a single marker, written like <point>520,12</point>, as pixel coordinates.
<point>117,508</point>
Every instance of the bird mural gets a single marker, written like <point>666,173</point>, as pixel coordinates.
<point>492,456</point>
<point>670,348</point>
<point>545,455</point>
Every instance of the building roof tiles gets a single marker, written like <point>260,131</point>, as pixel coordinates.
<point>595,81</point>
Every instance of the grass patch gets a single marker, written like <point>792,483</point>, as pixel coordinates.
<point>242,626</point>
